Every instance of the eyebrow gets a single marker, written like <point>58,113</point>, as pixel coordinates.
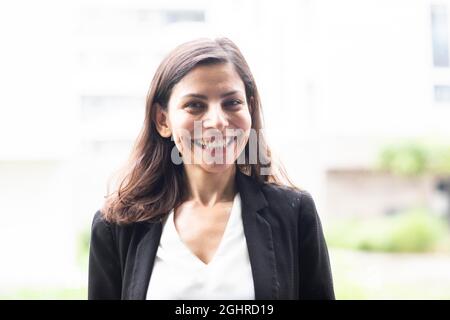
<point>201,96</point>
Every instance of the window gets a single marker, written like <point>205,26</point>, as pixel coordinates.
<point>173,16</point>
<point>442,93</point>
<point>439,35</point>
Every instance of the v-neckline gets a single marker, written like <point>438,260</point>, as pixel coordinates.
<point>183,247</point>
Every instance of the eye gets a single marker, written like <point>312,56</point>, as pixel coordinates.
<point>195,106</point>
<point>233,103</point>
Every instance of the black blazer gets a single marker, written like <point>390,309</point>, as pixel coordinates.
<point>287,250</point>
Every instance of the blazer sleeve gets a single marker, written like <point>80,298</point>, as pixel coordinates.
<point>104,276</point>
<point>316,281</point>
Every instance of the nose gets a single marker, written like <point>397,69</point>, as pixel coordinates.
<point>215,118</point>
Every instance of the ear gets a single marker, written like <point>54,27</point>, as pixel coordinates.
<point>162,123</point>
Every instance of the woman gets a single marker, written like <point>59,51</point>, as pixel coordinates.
<point>199,214</point>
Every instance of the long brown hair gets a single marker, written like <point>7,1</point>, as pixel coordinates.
<point>150,184</point>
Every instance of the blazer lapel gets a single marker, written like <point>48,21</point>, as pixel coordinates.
<point>145,258</point>
<point>258,234</point>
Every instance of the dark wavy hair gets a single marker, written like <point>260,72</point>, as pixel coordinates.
<point>150,184</point>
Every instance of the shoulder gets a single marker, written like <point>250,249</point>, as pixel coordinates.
<point>291,206</point>
<point>99,224</point>
<point>105,231</point>
<point>117,234</point>
<point>294,209</point>
<point>101,230</point>
<point>295,198</point>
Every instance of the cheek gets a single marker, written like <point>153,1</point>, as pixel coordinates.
<point>248,121</point>
<point>244,122</point>
<point>182,128</point>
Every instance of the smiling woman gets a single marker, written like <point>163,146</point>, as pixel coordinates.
<point>201,212</point>
<point>209,120</point>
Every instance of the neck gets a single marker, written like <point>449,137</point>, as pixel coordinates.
<point>208,188</point>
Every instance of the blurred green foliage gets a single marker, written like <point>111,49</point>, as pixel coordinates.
<point>56,293</point>
<point>359,275</point>
<point>415,157</point>
<point>407,159</point>
<point>33,293</point>
<point>83,241</point>
<point>416,230</point>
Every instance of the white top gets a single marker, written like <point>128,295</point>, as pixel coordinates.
<point>178,274</point>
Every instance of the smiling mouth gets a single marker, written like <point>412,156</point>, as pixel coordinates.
<point>214,144</point>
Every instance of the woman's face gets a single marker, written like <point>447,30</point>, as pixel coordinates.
<point>209,117</point>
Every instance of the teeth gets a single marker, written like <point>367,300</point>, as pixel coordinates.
<point>214,144</point>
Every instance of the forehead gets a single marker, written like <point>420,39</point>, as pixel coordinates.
<point>209,80</point>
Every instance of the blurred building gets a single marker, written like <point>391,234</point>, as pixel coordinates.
<point>337,80</point>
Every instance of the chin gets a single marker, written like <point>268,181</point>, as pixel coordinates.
<point>217,168</point>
